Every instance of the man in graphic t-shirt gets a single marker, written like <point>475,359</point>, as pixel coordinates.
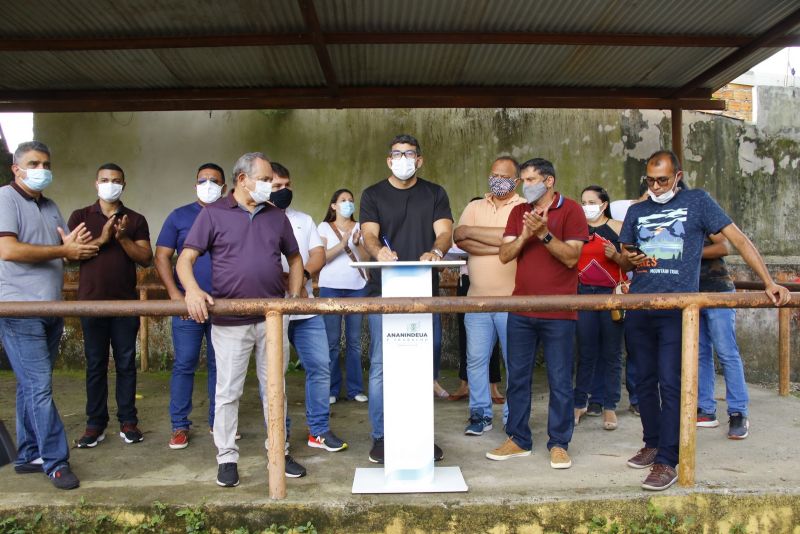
<point>402,218</point>
<point>669,229</point>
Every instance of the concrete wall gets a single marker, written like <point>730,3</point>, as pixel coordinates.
<point>753,175</point>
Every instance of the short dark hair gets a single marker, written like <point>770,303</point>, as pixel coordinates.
<point>603,194</point>
<point>542,166</point>
<point>29,146</point>
<point>513,162</point>
<point>111,167</point>
<point>280,170</point>
<point>658,154</point>
<point>212,166</point>
<point>407,140</point>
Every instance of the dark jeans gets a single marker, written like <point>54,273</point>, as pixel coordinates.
<point>494,361</point>
<point>98,333</point>
<point>654,341</point>
<point>599,339</point>
<point>187,339</point>
<point>558,340</point>
<point>31,344</point>
<point>352,337</point>
<point>599,384</point>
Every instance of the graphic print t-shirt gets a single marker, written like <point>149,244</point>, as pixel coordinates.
<point>672,236</point>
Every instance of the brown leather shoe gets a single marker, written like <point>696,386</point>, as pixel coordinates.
<point>660,478</point>
<point>498,400</point>
<point>457,396</point>
<point>507,450</point>
<point>644,458</point>
<point>559,459</point>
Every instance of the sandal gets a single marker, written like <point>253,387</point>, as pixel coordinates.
<point>609,420</point>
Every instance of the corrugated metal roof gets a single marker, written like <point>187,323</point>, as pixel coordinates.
<point>434,65</point>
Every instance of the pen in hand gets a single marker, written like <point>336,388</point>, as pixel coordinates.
<point>388,254</point>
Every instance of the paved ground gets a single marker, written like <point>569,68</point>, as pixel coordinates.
<point>115,473</point>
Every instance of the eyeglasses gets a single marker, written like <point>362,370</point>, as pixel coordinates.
<point>651,180</point>
<point>397,154</point>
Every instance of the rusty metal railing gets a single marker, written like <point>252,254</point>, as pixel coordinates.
<point>274,309</point>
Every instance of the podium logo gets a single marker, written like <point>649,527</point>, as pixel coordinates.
<point>413,334</point>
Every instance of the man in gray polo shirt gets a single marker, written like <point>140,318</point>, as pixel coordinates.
<point>32,245</point>
<point>245,237</point>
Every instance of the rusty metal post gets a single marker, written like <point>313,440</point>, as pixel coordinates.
<point>144,335</point>
<point>687,442</point>
<point>784,348</point>
<point>676,115</point>
<point>276,401</point>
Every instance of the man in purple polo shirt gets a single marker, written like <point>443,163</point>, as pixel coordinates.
<point>245,237</point>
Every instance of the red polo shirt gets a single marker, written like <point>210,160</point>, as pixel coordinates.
<point>538,271</point>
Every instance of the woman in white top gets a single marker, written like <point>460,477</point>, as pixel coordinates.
<point>341,237</point>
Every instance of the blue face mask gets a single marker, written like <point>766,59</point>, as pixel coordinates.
<point>37,179</point>
<point>346,208</point>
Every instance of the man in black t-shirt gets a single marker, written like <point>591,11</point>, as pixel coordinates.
<point>402,218</point>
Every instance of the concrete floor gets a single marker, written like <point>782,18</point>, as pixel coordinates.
<point>117,474</point>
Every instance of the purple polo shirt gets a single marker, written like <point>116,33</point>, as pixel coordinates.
<point>245,250</point>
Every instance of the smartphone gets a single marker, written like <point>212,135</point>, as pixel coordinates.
<point>634,248</point>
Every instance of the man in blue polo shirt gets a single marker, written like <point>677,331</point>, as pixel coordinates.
<point>32,245</point>
<point>668,230</point>
<point>245,237</point>
<point>187,335</point>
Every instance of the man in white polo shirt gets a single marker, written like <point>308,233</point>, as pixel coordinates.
<point>307,332</point>
<point>480,233</point>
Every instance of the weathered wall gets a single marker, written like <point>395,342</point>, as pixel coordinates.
<point>754,176</point>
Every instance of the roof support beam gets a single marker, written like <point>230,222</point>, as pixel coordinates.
<point>318,40</point>
<point>364,97</point>
<point>765,40</point>
<point>351,38</point>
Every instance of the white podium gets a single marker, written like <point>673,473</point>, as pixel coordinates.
<point>407,390</point>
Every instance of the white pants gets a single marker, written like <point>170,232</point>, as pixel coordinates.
<point>233,346</point>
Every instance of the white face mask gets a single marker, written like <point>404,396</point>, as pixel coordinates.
<point>209,192</point>
<point>663,198</point>
<point>109,191</point>
<point>404,168</point>
<point>592,212</point>
<point>261,193</point>
<point>37,179</point>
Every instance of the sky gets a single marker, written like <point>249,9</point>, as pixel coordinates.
<point>18,127</point>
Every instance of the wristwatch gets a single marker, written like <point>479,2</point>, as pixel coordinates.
<point>437,252</point>
<point>547,238</point>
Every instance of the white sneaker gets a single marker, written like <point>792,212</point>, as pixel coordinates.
<point>360,398</point>
<point>331,400</point>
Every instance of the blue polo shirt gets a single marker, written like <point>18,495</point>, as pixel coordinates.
<point>174,233</point>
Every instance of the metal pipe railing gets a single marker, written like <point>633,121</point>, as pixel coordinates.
<point>274,309</point>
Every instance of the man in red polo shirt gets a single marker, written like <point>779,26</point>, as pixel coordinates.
<point>545,235</point>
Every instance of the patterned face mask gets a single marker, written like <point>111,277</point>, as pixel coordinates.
<point>500,187</point>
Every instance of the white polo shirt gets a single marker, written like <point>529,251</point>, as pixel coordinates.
<point>305,232</point>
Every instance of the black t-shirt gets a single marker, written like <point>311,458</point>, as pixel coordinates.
<point>406,218</point>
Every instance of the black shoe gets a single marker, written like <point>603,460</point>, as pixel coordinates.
<point>130,433</point>
<point>228,475</point>
<point>438,453</point>
<point>595,409</point>
<point>739,426</point>
<point>376,453</point>
<point>30,467</point>
<point>634,409</point>
<point>64,478</point>
<point>91,438</point>
<point>293,469</point>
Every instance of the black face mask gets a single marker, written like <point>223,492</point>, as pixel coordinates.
<point>281,198</point>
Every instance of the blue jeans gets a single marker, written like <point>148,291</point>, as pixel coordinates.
<point>120,333</point>
<point>718,328</point>
<point>310,341</point>
<point>31,344</point>
<point>187,339</point>
<point>599,340</point>
<point>352,336</point>
<point>376,367</point>
<point>558,339</point>
<point>483,331</point>
<point>654,342</point>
